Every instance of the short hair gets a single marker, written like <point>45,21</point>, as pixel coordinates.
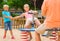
<point>26,5</point>
<point>5,6</point>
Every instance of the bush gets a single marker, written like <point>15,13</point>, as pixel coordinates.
<point>14,14</point>
<point>0,14</point>
<point>16,3</point>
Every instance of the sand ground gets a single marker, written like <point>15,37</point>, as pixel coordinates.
<point>17,36</point>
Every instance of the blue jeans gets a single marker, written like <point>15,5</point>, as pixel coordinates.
<point>7,25</point>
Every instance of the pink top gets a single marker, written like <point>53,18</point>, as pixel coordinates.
<point>27,16</point>
<point>51,9</point>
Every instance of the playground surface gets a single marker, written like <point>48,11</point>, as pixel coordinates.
<point>16,33</point>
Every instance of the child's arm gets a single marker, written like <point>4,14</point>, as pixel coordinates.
<point>4,15</point>
<point>22,15</point>
<point>7,16</point>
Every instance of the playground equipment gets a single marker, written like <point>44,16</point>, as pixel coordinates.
<point>24,31</point>
<point>25,36</point>
<point>52,33</point>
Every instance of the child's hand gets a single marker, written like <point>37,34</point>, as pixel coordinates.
<point>35,12</point>
<point>14,18</point>
<point>11,17</point>
<point>17,17</point>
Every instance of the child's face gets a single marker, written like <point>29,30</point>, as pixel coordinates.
<point>6,8</point>
<point>26,8</point>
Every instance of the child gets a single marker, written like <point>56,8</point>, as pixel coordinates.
<point>29,17</point>
<point>7,21</point>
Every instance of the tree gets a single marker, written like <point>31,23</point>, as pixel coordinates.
<point>19,3</point>
<point>38,3</point>
<point>3,2</point>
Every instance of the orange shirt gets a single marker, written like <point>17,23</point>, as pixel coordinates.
<point>51,9</point>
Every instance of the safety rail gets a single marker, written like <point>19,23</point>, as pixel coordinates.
<point>17,23</point>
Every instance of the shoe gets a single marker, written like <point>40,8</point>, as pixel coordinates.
<point>4,36</point>
<point>12,37</point>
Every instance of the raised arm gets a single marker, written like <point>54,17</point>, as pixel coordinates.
<point>22,15</point>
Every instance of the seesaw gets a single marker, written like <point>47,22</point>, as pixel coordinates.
<point>27,29</point>
<point>25,36</point>
<point>53,33</point>
<point>50,30</point>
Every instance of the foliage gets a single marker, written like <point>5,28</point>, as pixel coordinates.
<point>0,14</point>
<point>15,14</point>
<point>16,3</point>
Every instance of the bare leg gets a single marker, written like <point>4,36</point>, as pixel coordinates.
<point>5,34</point>
<point>58,38</point>
<point>27,25</point>
<point>38,31</point>
<point>58,33</point>
<point>37,22</point>
<point>30,35</point>
<point>11,34</point>
<point>37,36</point>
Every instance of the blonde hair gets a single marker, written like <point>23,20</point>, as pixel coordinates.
<point>5,6</point>
<point>26,5</point>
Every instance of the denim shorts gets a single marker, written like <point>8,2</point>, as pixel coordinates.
<point>7,25</point>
